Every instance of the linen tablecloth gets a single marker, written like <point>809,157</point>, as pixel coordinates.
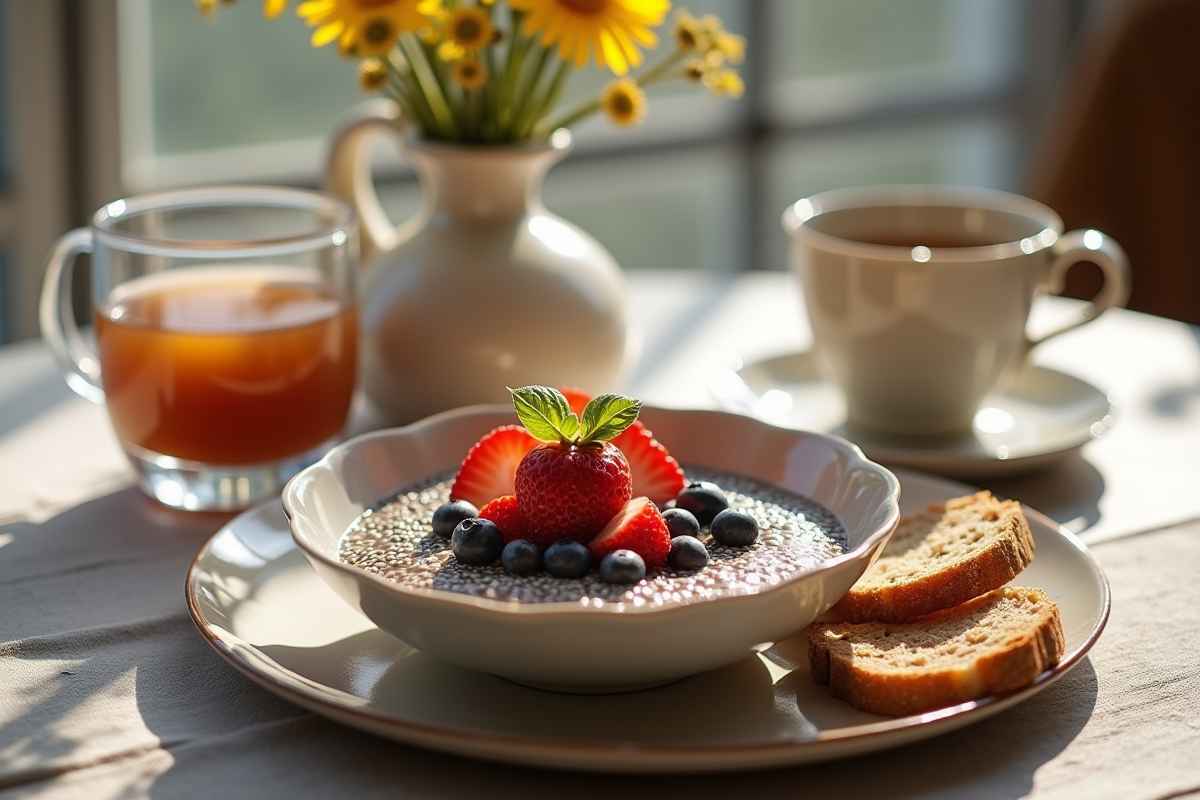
<point>108,691</point>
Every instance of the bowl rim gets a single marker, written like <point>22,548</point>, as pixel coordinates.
<point>507,608</point>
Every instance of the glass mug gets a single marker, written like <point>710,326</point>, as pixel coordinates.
<point>226,332</point>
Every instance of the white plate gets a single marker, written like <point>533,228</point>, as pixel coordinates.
<point>259,604</point>
<point>1043,416</point>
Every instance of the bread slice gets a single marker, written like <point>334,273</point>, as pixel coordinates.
<point>994,643</point>
<point>940,558</point>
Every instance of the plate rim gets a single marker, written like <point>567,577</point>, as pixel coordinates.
<point>628,756</point>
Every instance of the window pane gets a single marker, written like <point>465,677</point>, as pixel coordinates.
<point>243,99</point>
<point>244,80</point>
<point>837,58</point>
<point>667,210</point>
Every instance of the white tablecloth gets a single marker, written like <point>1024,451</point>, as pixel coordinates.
<point>107,690</point>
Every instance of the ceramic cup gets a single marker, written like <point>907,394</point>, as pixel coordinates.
<point>225,323</point>
<point>919,296</point>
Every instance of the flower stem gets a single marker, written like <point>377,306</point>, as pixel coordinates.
<point>491,95</point>
<point>524,98</point>
<point>407,93</point>
<point>570,118</point>
<point>654,74</point>
<point>430,88</point>
<point>517,51</point>
<point>547,102</point>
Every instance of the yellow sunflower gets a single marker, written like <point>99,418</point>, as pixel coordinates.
<point>689,34</point>
<point>449,51</point>
<point>469,73</point>
<point>273,8</point>
<point>610,30</point>
<point>724,83</point>
<point>372,74</point>
<point>364,27</point>
<point>730,46</point>
<point>469,27</point>
<point>624,102</point>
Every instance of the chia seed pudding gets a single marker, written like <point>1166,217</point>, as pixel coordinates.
<point>396,541</point>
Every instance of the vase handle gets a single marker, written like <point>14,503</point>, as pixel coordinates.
<point>348,171</point>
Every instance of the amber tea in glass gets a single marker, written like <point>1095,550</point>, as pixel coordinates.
<point>225,335</point>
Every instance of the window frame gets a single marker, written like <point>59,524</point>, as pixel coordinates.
<point>77,149</point>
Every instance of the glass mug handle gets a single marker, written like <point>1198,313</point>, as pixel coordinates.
<point>56,317</point>
<point>1089,245</point>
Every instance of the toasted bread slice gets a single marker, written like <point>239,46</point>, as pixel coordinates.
<point>940,558</point>
<point>994,643</point>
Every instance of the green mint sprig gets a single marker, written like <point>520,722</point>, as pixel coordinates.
<point>547,415</point>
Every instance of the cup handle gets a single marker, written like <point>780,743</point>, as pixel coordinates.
<point>56,317</point>
<point>1089,245</point>
<point>348,171</point>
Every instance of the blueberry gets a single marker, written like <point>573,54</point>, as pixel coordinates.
<point>622,566</point>
<point>521,557</point>
<point>681,522</point>
<point>448,515</point>
<point>704,499</point>
<point>734,528</point>
<point>567,558</point>
<point>687,554</point>
<point>477,542</point>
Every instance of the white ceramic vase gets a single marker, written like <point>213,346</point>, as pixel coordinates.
<point>483,288</point>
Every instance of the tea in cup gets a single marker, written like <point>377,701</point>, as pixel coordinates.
<point>226,334</point>
<point>919,296</point>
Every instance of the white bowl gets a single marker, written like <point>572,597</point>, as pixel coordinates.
<point>615,647</point>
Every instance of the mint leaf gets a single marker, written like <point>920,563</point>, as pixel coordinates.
<point>607,415</point>
<point>545,413</point>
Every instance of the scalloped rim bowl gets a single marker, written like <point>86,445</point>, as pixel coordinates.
<point>568,646</point>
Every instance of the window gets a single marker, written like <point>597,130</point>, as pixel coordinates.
<point>839,92</point>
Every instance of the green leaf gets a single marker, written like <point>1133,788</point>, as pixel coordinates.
<point>607,415</point>
<point>545,413</point>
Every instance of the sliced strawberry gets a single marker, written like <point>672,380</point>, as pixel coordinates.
<point>577,399</point>
<point>504,512</point>
<point>656,474</point>
<point>638,527</point>
<point>490,468</point>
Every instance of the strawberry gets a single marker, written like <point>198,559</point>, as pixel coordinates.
<point>568,491</point>
<point>570,486</point>
<point>504,512</point>
<point>490,468</point>
<point>655,473</point>
<point>638,527</point>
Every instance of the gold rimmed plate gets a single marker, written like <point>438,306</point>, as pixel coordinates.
<point>261,607</point>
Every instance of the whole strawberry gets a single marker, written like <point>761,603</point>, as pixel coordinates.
<point>570,486</point>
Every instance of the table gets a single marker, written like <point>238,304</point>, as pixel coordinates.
<point>107,690</point>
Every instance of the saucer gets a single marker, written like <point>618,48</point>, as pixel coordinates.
<point>1042,417</point>
<point>262,608</point>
